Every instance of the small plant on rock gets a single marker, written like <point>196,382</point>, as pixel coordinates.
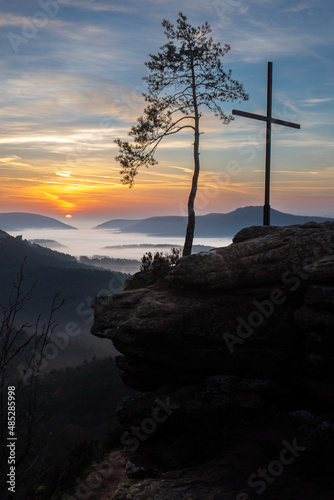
<point>159,262</point>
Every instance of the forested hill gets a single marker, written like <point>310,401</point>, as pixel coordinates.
<point>214,225</point>
<point>54,272</point>
<point>14,250</point>
<point>16,221</point>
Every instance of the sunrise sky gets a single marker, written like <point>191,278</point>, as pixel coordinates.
<point>71,84</point>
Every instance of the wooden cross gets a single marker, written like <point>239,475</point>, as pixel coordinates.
<point>269,120</point>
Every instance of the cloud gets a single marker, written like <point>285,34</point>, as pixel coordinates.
<point>300,7</point>
<point>12,20</point>
<point>313,101</point>
<point>291,172</point>
<point>14,160</point>
<point>255,46</point>
<point>114,100</point>
<point>64,174</point>
<point>38,97</point>
<point>183,169</point>
<point>21,21</point>
<point>289,111</point>
<point>101,6</point>
<point>267,32</point>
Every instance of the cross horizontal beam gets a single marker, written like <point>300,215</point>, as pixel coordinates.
<point>265,118</point>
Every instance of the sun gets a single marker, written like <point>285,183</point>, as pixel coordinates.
<point>68,216</point>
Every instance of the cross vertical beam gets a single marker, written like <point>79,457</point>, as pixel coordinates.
<point>269,120</point>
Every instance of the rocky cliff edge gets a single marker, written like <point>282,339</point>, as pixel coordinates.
<point>233,352</point>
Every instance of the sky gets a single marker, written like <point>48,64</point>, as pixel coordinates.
<point>71,83</point>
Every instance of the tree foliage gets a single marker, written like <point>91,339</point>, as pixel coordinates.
<point>159,260</point>
<point>186,76</point>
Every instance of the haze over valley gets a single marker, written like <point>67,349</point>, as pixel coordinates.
<point>131,238</point>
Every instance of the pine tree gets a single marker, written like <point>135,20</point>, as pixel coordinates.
<point>186,76</point>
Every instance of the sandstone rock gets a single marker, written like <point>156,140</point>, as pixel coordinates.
<point>258,257</point>
<point>240,340</point>
<point>188,334</point>
<point>322,270</point>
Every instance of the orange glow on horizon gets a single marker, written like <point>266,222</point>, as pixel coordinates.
<point>157,191</point>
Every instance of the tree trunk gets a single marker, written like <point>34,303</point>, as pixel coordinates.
<point>191,211</point>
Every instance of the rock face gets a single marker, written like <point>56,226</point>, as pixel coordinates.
<point>234,351</point>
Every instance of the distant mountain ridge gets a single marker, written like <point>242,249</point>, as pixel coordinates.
<point>207,226</point>
<point>17,221</point>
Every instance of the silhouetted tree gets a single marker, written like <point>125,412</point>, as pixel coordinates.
<point>185,76</point>
<point>21,358</point>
